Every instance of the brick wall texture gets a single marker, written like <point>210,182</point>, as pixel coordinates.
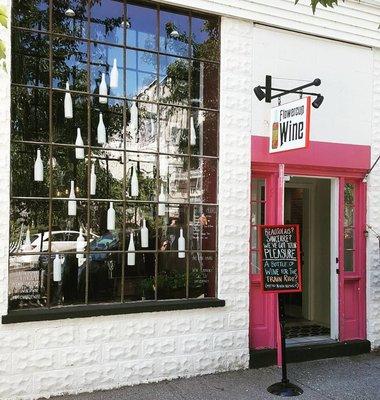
<point>373,217</point>
<point>70,356</point>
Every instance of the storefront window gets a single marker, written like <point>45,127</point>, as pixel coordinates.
<point>114,153</point>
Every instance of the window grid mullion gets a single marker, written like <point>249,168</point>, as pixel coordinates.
<point>158,171</point>
<point>88,248</point>
<point>49,266</point>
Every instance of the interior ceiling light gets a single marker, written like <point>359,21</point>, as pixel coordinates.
<point>70,13</point>
<point>126,24</point>
<point>171,30</point>
<point>174,34</point>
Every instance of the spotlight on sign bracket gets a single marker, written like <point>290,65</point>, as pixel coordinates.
<point>318,101</point>
<point>265,92</point>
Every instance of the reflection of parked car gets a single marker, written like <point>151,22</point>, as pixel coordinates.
<point>61,241</point>
<point>104,268</point>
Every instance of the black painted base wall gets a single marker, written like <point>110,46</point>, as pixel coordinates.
<point>267,357</point>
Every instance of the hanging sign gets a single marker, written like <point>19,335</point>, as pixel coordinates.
<point>279,257</point>
<point>290,126</point>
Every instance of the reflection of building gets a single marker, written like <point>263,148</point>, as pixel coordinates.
<point>176,129</point>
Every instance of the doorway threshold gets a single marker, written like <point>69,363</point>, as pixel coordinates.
<point>302,341</point>
<point>310,351</point>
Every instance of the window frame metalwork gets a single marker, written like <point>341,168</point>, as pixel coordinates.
<point>51,144</point>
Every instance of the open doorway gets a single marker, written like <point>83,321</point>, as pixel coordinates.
<point>307,202</point>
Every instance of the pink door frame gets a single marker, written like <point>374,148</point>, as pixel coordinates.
<point>319,160</point>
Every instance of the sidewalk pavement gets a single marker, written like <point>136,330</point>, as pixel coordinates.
<point>346,378</point>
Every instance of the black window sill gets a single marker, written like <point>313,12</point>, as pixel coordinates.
<point>95,310</point>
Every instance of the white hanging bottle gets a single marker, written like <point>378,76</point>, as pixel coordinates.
<point>38,168</point>
<point>193,134</point>
<point>114,78</point>
<point>103,90</point>
<point>57,269</point>
<point>134,122</point>
<point>134,183</point>
<point>72,204</point>
<point>161,200</point>
<point>27,242</point>
<point>152,128</point>
<point>111,218</point>
<point>79,151</point>
<point>144,235</point>
<point>68,103</point>
<point>181,245</point>
<point>131,248</point>
<point>93,181</point>
<point>102,138</point>
<point>81,244</point>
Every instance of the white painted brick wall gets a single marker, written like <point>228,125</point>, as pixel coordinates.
<point>70,356</point>
<point>373,217</point>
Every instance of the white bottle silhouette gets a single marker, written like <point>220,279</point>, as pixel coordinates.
<point>144,235</point>
<point>131,248</point>
<point>111,218</point>
<point>102,138</point>
<point>193,134</point>
<point>103,90</point>
<point>152,128</point>
<point>114,78</point>
<point>161,200</point>
<point>181,245</point>
<point>81,243</point>
<point>79,151</point>
<point>93,181</point>
<point>68,103</point>
<point>134,183</point>
<point>57,269</point>
<point>72,204</point>
<point>38,168</point>
<point>27,241</point>
<point>134,122</point>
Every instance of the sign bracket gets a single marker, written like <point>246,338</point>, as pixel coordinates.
<point>267,92</point>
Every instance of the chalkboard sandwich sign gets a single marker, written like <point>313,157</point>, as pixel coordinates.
<point>280,261</point>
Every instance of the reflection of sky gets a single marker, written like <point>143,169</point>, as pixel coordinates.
<point>141,66</point>
<point>142,32</point>
<point>199,34</point>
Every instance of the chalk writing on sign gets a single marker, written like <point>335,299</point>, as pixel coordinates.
<point>280,258</point>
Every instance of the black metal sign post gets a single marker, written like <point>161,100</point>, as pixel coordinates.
<point>280,260</point>
<point>283,388</point>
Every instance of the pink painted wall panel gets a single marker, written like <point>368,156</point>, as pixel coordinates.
<point>318,154</point>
